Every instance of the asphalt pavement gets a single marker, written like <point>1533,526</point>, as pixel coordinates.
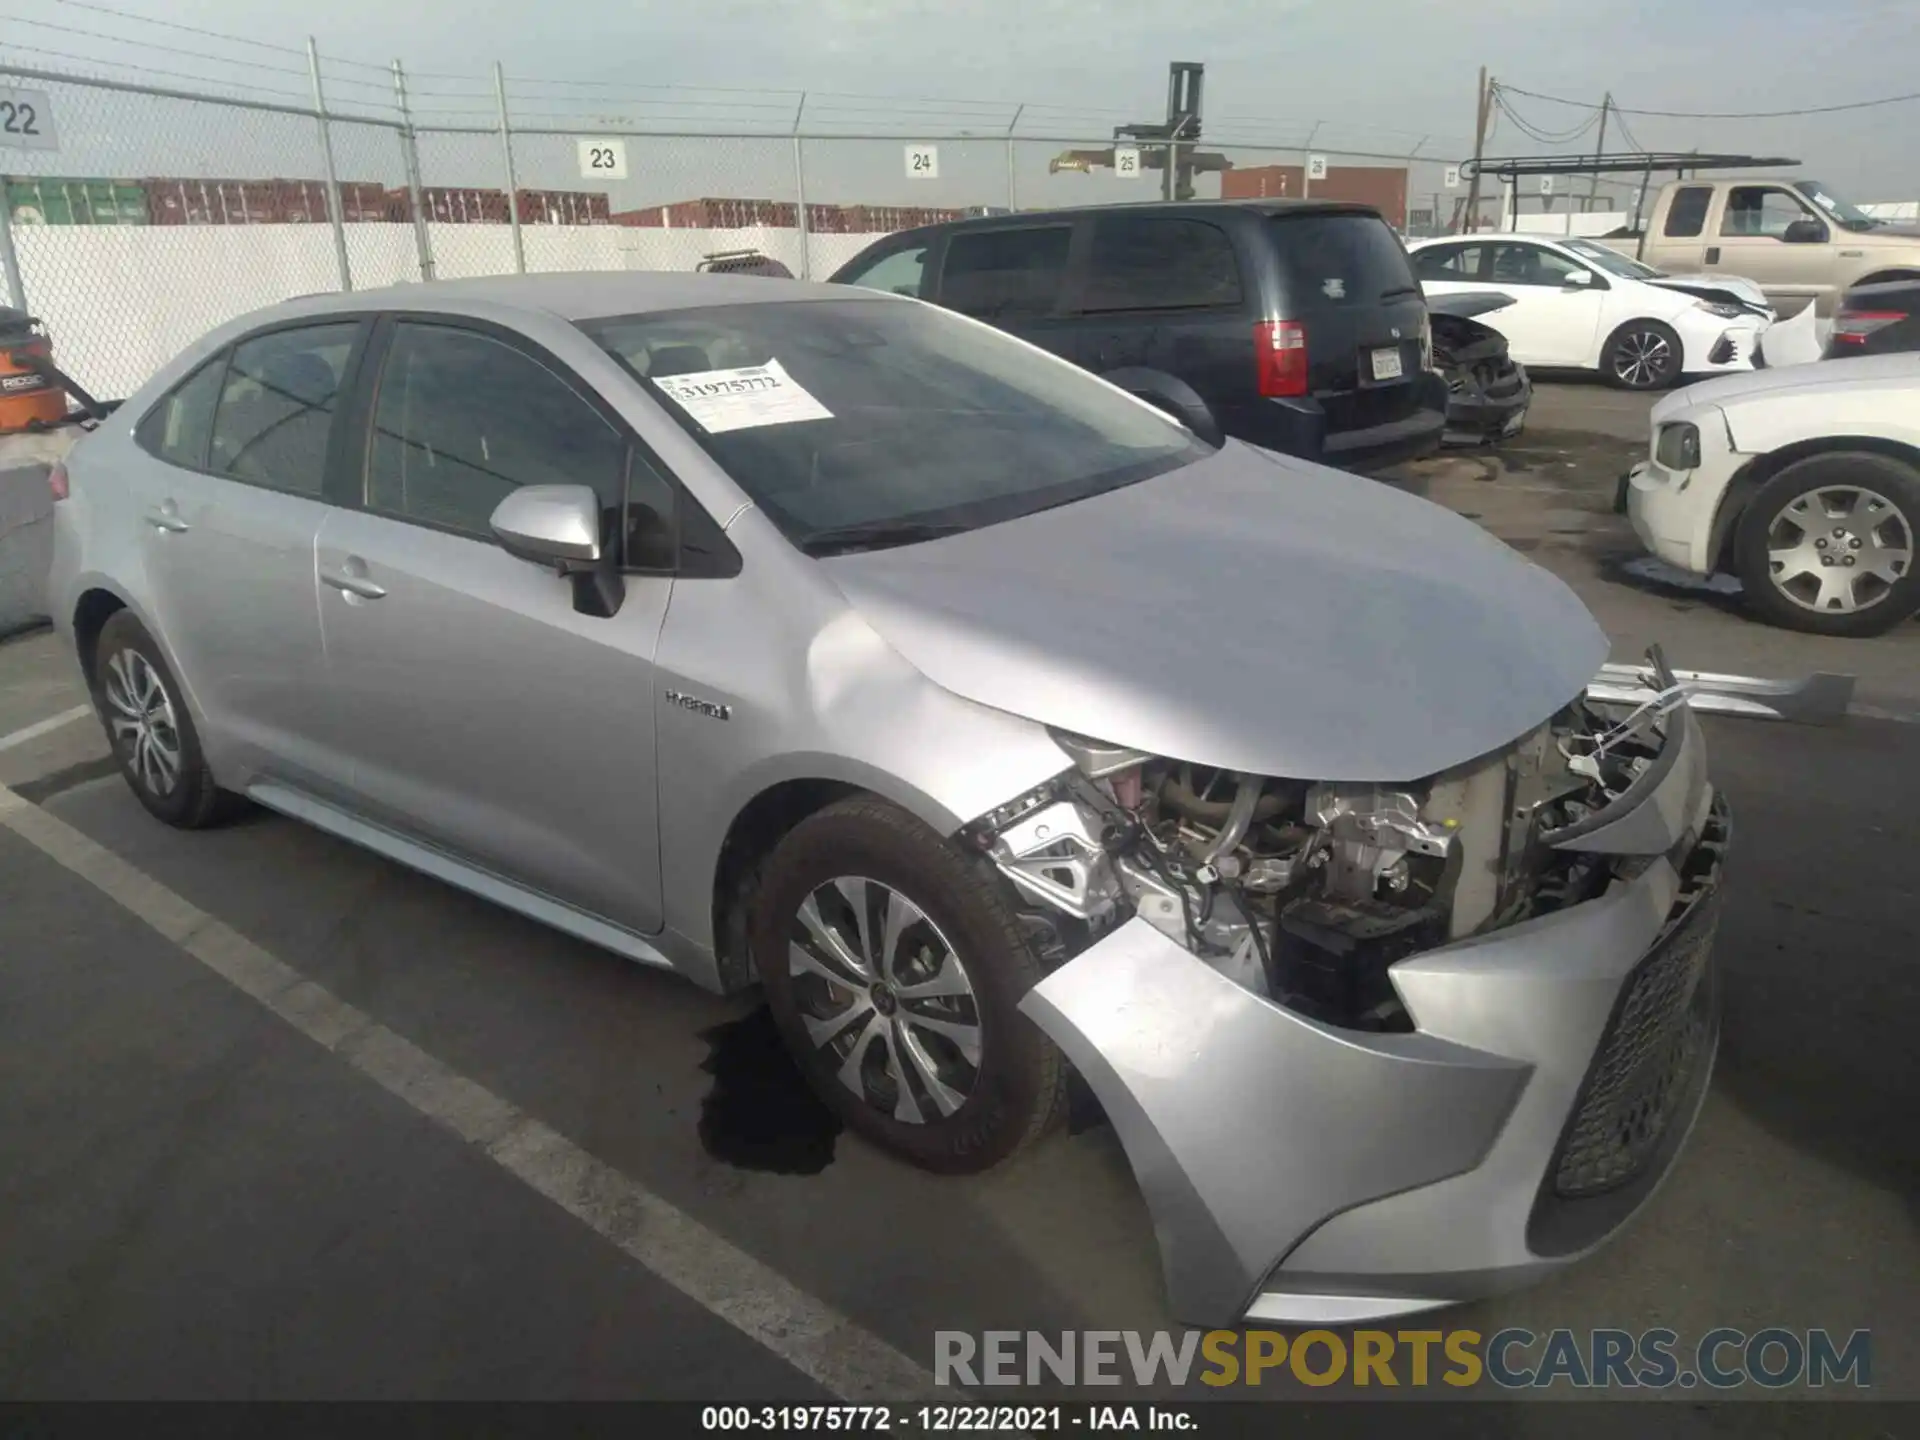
<point>284,1120</point>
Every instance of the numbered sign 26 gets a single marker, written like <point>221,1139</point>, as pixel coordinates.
<point>923,162</point>
<point>603,159</point>
<point>26,120</point>
<point>1126,162</point>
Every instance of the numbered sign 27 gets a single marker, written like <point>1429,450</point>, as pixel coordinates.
<point>923,162</point>
<point>26,120</point>
<point>603,159</point>
<point>1452,180</point>
<point>1126,162</point>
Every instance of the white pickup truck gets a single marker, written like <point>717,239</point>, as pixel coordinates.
<point>1796,239</point>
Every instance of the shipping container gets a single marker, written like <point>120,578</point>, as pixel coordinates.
<point>1382,186</point>
<point>53,200</point>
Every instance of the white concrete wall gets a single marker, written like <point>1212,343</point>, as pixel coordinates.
<point>120,301</point>
<point>1571,222</point>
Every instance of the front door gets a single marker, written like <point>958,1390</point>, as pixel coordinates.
<point>486,715</point>
<point>1552,321</point>
<point>1750,241</point>
<point>228,521</point>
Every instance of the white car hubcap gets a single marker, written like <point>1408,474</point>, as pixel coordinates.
<point>1839,549</point>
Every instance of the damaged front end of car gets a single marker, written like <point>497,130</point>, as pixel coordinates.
<point>1374,1048</point>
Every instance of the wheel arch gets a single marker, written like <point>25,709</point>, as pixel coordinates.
<point>1748,479</point>
<point>1887,277</point>
<point>91,610</point>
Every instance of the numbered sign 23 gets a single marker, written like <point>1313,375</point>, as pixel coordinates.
<point>923,162</point>
<point>603,159</point>
<point>26,120</point>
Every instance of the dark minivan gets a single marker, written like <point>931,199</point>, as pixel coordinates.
<point>1295,325</point>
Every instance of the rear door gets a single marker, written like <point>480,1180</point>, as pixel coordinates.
<point>229,514</point>
<point>1680,246</point>
<point>485,714</point>
<point>1347,279</point>
<point>1015,278</point>
<point>1166,293</point>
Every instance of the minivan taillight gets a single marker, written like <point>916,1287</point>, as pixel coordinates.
<point>1280,351</point>
<point>57,479</point>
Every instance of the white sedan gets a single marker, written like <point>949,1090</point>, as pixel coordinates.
<point>1578,305</point>
<point>1803,482</point>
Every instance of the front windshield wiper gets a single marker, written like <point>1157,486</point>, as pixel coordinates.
<point>875,535</point>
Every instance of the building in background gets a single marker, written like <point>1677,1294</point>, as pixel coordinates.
<point>1382,186</point>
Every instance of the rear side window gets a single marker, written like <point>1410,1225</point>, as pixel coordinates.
<point>1687,212</point>
<point>1340,260</point>
<point>998,274</point>
<point>276,407</point>
<point>176,430</point>
<point>1143,263</point>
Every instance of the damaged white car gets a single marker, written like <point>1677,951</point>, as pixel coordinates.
<point>992,722</point>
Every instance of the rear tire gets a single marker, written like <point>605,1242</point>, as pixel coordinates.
<point>1642,355</point>
<point>1827,545</point>
<point>151,731</point>
<point>938,1016</point>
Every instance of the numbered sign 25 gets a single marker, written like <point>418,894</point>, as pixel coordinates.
<point>603,159</point>
<point>923,162</point>
<point>26,120</point>
<point>1126,162</point>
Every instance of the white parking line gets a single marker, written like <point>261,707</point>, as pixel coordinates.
<point>44,727</point>
<point>855,1365</point>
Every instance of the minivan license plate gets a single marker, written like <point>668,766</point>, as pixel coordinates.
<point>1386,364</point>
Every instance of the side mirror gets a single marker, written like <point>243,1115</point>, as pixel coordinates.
<point>1579,278</point>
<point>550,525</point>
<point>1805,232</point>
<point>559,525</point>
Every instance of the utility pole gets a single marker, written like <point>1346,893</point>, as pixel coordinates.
<point>1599,149</point>
<point>1482,106</point>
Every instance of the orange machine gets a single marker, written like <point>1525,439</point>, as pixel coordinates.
<point>30,398</point>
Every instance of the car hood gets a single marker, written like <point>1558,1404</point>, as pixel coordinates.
<point>1250,612</point>
<point>1732,288</point>
<point>1901,371</point>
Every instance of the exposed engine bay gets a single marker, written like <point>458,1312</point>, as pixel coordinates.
<point>1306,892</point>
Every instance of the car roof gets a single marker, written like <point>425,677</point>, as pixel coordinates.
<point>1255,207</point>
<point>574,295</point>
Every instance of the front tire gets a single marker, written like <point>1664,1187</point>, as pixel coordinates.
<point>1827,545</point>
<point>150,730</point>
<point>894,967</point>
<point>1642,355</point>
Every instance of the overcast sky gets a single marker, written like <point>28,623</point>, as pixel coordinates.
<point>1379,75</point>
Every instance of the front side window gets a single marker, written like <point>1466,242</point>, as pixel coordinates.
<point>1531,265</point>
<point>178,428</point>
<point>866,411</point>
<point>900,272</point>
<point>1761,210</point>
<point>1458,263</point>
<point>1687,212</point>
<point>462,420</point>
<point>277,404</point>
<point>1002,274</point>
<point>1143,263</point>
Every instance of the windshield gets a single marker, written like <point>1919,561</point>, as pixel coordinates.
<point>1847,216</point>
<point>1612,261</point>
<point>876,413</point>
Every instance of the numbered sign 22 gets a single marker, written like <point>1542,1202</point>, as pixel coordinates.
<point>1126,162</point>
<point>1546,184</point>
<point>603,159</point>
<point>26,120</point>
<point>923,162</point>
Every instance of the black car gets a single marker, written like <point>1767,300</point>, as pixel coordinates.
<point>1297,326</point>
<point>1488,392</point>
<point>1878,319</point>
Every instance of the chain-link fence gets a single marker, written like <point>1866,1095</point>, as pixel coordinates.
<point>138,217</point>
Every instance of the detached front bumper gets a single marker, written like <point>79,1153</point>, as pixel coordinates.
<point>1303,1174</point>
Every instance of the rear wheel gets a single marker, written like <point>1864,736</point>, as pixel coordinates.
<point>894,968</point>
<point>1827,545</point>
<point>1642,355</point>
<point>148,725</point>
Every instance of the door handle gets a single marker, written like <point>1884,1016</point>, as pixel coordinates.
<point>167,517</point>
<point>1713,255</point>
<point>351,584</point>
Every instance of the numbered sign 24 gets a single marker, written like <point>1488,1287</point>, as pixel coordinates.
<point>26,120</point>
<point>923,162</point>
<point>603,159</point>
<point>1126,162</point>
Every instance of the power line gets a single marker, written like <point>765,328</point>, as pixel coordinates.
<point>226,36</point>
<point>1528,128</point>
<point>200,55</point>
<point>1729,114</point>
<point>151,70</point>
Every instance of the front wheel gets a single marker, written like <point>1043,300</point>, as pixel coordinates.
<point>1827,545</point>
<point>894,968</point>
<point>1642,355</point>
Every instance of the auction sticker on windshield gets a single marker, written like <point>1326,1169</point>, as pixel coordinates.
<point>743,399</point>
